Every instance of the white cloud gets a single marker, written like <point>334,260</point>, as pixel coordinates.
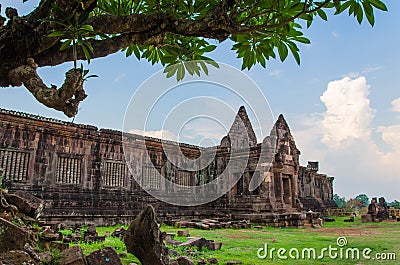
<point>341,140</point>
<point>161,134</point>
<point>204,128</point>
<point>335,35</point>
<point>348,115</point>
<point>396,105</point>
<point>120,77</point>
<point>274,73</point>
<point>371,68</point>
<point>391,136</point>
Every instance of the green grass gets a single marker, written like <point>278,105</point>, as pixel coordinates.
<point>242,244</point>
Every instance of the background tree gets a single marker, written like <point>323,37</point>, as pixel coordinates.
<point>174,33</point>
<point>363,199</point>
<point>340,201</point>
<point>354,204</point>
<point>395,204</point>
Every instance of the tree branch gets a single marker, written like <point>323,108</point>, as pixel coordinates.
<point>65,99</point>
<point>102,48</point>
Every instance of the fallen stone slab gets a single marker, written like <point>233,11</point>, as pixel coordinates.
<point>169,236</point>
<point>197,242</point>
<point>104,256</point>
<point>72,256</point>
<point>16,257</point>
<point>172,242</point>
<point>26,203</point>
<point>183,260</point>
<point>183,233</point>
<point>211,245</point>
<point>50,235</point>
<point>212,260</point>
<point>58,245</point>
<point>12,237</point>
<point>119,232</point>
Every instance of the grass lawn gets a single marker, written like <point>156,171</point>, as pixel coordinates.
<point>243,244</point>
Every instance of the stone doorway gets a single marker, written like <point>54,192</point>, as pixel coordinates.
<point>287,190</point>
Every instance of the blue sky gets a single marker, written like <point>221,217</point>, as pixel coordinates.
<point>342,103</point>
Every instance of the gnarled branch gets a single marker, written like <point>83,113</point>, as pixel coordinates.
<point>65,99</point>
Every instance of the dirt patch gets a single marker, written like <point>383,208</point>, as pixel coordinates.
<point>364,231</point>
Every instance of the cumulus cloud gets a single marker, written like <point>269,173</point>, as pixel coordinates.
<point>341,139</point>
<point>396,105</point>
<point>348,115</point>
<point>161,134</point>
<point>391,136</point>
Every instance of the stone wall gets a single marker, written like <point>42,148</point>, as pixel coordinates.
<point>315,189</point>
<point>80,172</point>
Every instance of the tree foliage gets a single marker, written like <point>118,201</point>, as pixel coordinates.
<point>363,199</point>
<point>395,204</point>
<point>340,201</point>
<point>174,33</point>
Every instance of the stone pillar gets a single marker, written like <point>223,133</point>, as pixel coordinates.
<point>312,185</point>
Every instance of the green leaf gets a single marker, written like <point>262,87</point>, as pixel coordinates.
<point>209,61</point>
<point>86,52</point>
<point>208,48</point>
<point>65,45</point>
<point>283,51</point>
<point>369,13</point>
<point>90,76</point>
<point>181,72</point>
<point>87,28</point>
<point>378,4</point>
<point>343,7</point>
<point>302,40</point>
<point>204,67</point>
<point>322,14</point>
<point>171,70</point>
<point>359,11</point>
<point>57,34</point>
<point>295,51</point>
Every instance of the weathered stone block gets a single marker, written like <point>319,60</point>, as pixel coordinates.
<point>16,257</point>
<point>12,237</point>
<point>105,256</point>
<point>183,260</point>
<point>183,233</point>
<point>60,246</point>
<point>366,218</point>
<point>197,242</point>
<point>214,245</point>
<point>144,239</point>
<point>212,260</point>
<point>73,256</point>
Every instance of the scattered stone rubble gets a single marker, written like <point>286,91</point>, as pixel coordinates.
<point>207,224</point>
<point>21,234</point>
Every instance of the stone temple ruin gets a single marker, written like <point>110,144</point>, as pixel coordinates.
<point>81,174</point>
